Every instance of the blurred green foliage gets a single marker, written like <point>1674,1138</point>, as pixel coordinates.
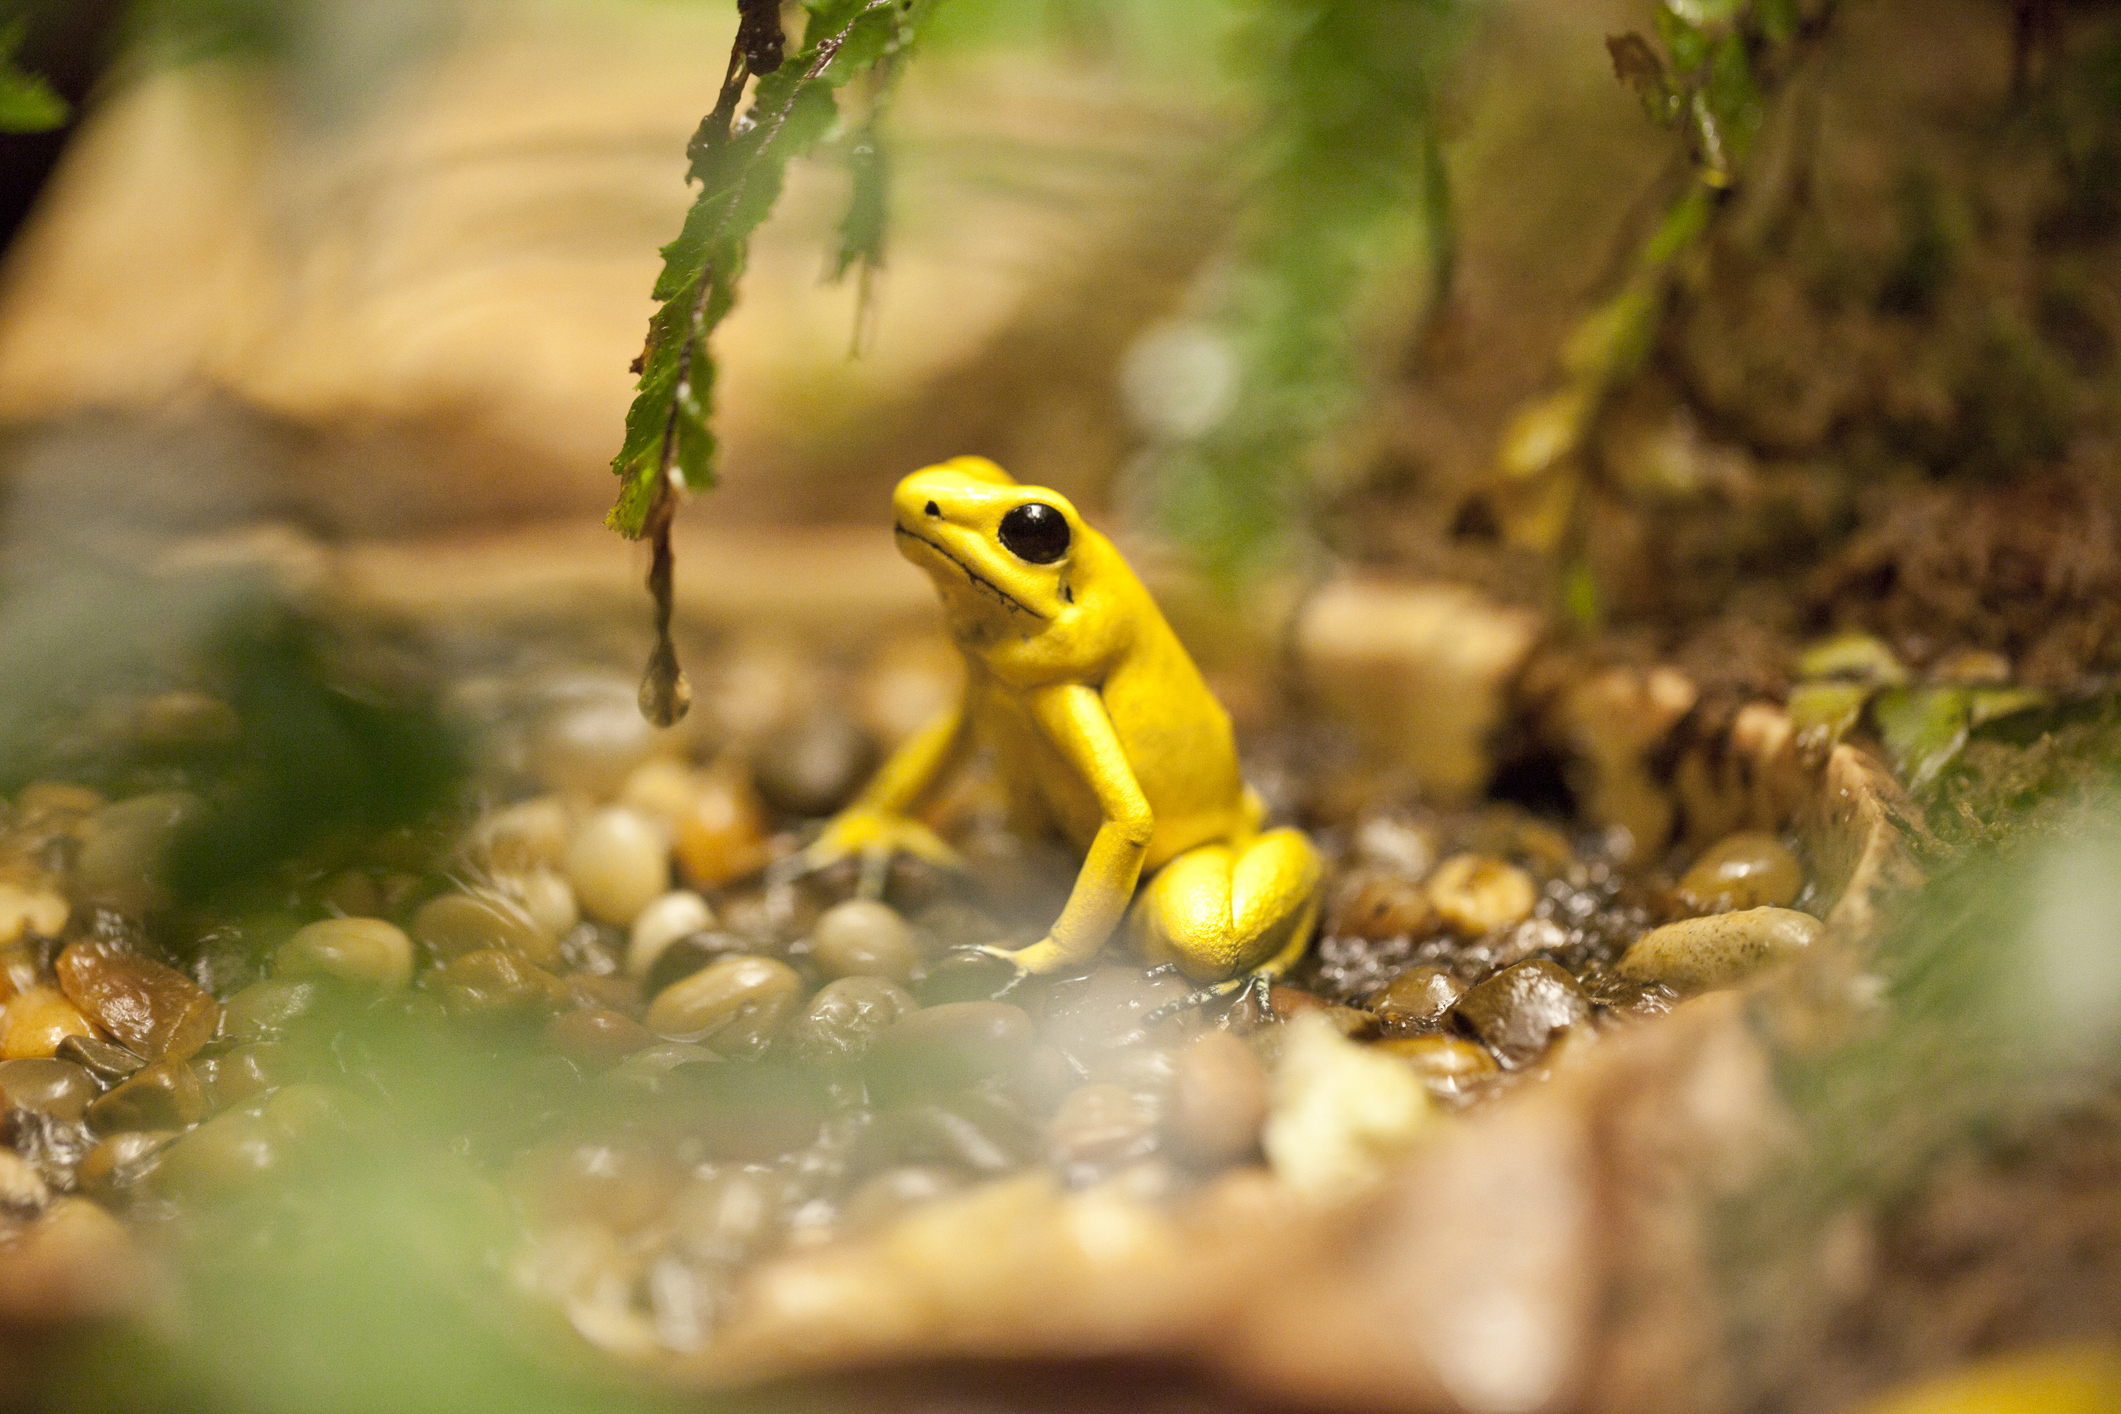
<point>27,102</point>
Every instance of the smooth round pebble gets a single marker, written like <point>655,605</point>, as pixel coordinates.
<point>618,864</point>
<point>264,1009</point>
<point>844,1019</point>
<point>1288,1002</point>
<point>530,834</point>
<point>107,1061</point>
<point>184,720</point>
<point>813,765</point>
<point>546,897</point>
<point>122,1160</point>
<point>1101,1124</point>
<point>660,788</point>
<point>589,746</point>
<point>222,1156</point>
<point>946,1047</point>
<point>1379,905</point>
<point>1218,1101</point>
<point>734,1005</point>
<point>1750,869</point>
<point>662,923</point>
<point>1416,999</point>
<point>120,862</point>
<point>722,834</point>
<point>1446,1064</point>
<point>497,982</point>
<point>165,1095</point>
<point>33,1023</point>
<point>368,952</point>
<point>619,1183</point>
<point>864,938</point>
<point>1477,894</point>
<point>597,1037</point>
<point>688,955</point>
<point>453,924</point>
<point>1520,1009</point>
<point>51,1087</point>
<point>34,912</point>
<point>1721,950</point>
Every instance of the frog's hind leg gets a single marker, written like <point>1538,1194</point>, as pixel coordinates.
<point>1232,913</point>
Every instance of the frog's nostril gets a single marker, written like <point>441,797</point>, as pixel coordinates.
<point>935,510</point>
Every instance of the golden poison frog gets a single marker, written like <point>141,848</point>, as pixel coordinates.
<point>1103,732</point>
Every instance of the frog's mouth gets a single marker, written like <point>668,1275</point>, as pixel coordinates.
<point>979,581</point>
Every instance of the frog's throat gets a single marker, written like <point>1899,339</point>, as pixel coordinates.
<point>979,581</point>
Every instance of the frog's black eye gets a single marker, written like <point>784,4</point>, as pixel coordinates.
<point>1036,532</point>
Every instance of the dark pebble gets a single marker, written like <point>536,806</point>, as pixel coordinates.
<point>1417,999</point>
<point>813,766</point>
<point>1520,1009</point>
<point>689,954</point>
<point>60,1088</point>
<point>107,1062</point>
<point>844,1019</point>
<point>597,1037</point>
<point>1288,1002</point>
<point>165,1095</point>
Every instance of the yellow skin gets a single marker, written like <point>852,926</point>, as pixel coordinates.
<point>1104,734</point>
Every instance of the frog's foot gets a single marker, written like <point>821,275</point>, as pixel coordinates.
<point>874,837</point>
<point>1011,974</point>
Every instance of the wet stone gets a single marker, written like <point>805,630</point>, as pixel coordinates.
<point>735,1004</point>
<point>154,1010</point>
<point>1376,905</point>
<point>1417,999</point>
<point>58,1088</point>
<point>887,1196</point>
<point>844,1019</point>
<point>1101,1125</point>
<point>1720,950</point>
<point>1446,1064</point>
<point>1475,894</point>
<point>496,982</point>
<point>165,1095</point>
<point>34,1022</point>
<point>451,925</point>
<point>1741,871</point>
<point>51,1145</point>
<point>122,1161</point>
<point>661,1067</point>
<point>367,952</point>
<point>617,864</point>
<point>621,1183</point>
<point>812,766</point>
<point>1520,1009</point>
<point>665,920</point>
<point>241,1074</point>
<point>722,834</point>
<point>23,1191</point>
<point>1288,1003</point>
<point>963,977</point>
<point>864,938</point>
<point>107,1062</point>
<point>597,1037</point>
<point>263,1010</point>
<point>1111,1006</point>
<point>728,1216</point>
<point>222,1156</point>
<point>1218,1102</point>
<point>690,954</point>
<point>975,1132</point>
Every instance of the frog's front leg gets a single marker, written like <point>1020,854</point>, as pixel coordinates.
<point>878,823</point>
<point>1073,717</point>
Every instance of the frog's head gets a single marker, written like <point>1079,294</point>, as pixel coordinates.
<point>1007,559</point>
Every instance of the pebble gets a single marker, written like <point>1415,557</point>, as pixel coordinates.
<point>261,1011</point>
<point>735,1004</point>
<point>1477,894</point>
<point>122,1160</point>
<point>27,912</point>
<point>844,1019</point>
<point>1218,1101</point>
<point>53,1087</point>
<point>1084,1015</point>
<point>589,745</point>
<point>895,1191</point>
<point>977,1132</point>
<point>622,1184</point>
<point>107,1062</point>
<point>238,1075</point>
<point>222,1156</point>
<point>1341,1113</point>
<point>531,834</point>
<point>725,1217</point>
<point>1286,1002</point>
<point>1446,1064</point>
<point>185,721</point>
<point>1101,1124</point>
<point>34,1021</point>
<point>946,1047</point>
<point>617,865</point>
<point>661,923</point>
<point>689,954</point>
<point>165,1095</point>
<point>547,898</point>
<point>351,893</point>
<point>722,833</point>
<point>597,1037</point>
<point>654,1068</point>
<point>1417,999</point>
<point>156,1011</point>
<point>864,938</point>
<point>453,924</point>
<point>497,982</point>
<point>1520,1009</point>
<point>368,952</point>
<point>120,862</point>
<point>1376,905</point>
<point>1746,870</point>
<point>1720,950</point>
<point>1391,842</point>
<point>23,1191</point>
<point>813,765</point>
<point>661,789</point>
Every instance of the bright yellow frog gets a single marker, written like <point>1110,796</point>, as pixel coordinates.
<point>1103,731</point>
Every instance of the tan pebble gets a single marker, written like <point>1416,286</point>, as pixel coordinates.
<point>454,924</point>
<point>864,938</point>
<point>264,1009</point>
<point>530,834</point>
<point>1721,950</point>
<point>662,923</point>
<point>661,789</point>
<point>54,798</point>
<point>1341,1114</point>
<point>1746,870</point>
<point>165,1095</point>
<point>497,981</point>
<point>883,1198</point>
<point>1476,894</point>
<point>1519,1010</point>
<point>1287,1002</point>
<point>74,1264</point>
<point>1101,1124</point>
<point>240,1074</point>
<point>184,720</point>
<point>1416,999</point>
<point>155,1010</point>
<point>224,1155</point>
<point>351,893</point>
<point>367,951</point>
<point>728,1216</point>
<point>617,864</point>
<point>31,912</point>
<point>547,898</point>
<point>1378,905</point>
<point>722,834</point>
<point>53,1087</point>
<point>304,1108</point>
<point>35,1021</point>
<point>120,862</point>
<point>622,1184</point>
<point>734,1004</point>
<point>1446,1064</point>
<point>20,969</point>
<point>1218,1101</point>
<point>597,1037</point>
<point>123,1160</point>
<point>589,746</point>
